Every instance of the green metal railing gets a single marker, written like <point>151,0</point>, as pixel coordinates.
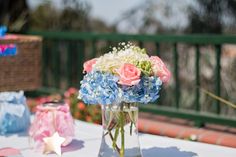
<point>76,43</point>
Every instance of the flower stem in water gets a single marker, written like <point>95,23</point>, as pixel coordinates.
<point>116,147</point>
<point>122,124</point>
<point>131,128</point>
<point>115,136</point>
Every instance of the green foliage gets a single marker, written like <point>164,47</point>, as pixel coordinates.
<point>209,16</point>
<point>145,67</point>
<point>14,14</point>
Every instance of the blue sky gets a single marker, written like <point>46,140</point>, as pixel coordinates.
<point>110,10</point>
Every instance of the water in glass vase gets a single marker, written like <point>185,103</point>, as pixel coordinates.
<point>120,133</point>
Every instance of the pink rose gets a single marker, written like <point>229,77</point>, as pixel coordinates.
<point>160,69</point>
<point>88,65</point>
<point>129,74</point>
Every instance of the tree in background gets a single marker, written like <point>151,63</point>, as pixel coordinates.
<point>207,16</point>
<point>142,18</point>
<point>182,16</point>
<point>14,14</point>
<point>73,16</point>
<point>212,16</point>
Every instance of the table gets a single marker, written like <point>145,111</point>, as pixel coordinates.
<point>88,137</point>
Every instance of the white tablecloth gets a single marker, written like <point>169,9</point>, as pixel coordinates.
<point>88,137</point>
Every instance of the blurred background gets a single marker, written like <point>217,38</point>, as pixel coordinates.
<point>134,16</point>
<point>195,38</point>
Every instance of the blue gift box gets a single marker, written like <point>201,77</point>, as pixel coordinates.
<point>14,113</point>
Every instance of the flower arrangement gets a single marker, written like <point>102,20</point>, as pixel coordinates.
<point>126,74</point>
<point>118,81</point>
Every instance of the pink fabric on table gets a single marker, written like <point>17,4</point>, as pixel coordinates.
<point>9,151</point>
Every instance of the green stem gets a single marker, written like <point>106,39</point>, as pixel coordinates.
<point>132,119</point>
<point>131,128</point>
<point>122,124</point>
<point>116,147</point>
<point>130,116</point>
<point>115,137</point>
<point>109,129</point>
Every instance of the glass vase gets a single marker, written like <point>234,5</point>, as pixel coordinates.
<point>120,132</point>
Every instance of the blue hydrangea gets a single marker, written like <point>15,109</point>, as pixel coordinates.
<point>99,88</point>
<point>147,90</point>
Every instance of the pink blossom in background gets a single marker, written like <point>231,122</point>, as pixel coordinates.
<point>129,74</point>
<point>70,92</point>
<point>88,65</point>
<point>160,69</point>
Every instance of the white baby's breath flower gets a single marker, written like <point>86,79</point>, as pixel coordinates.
<point>113,60</point>
<point>107,62</point>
